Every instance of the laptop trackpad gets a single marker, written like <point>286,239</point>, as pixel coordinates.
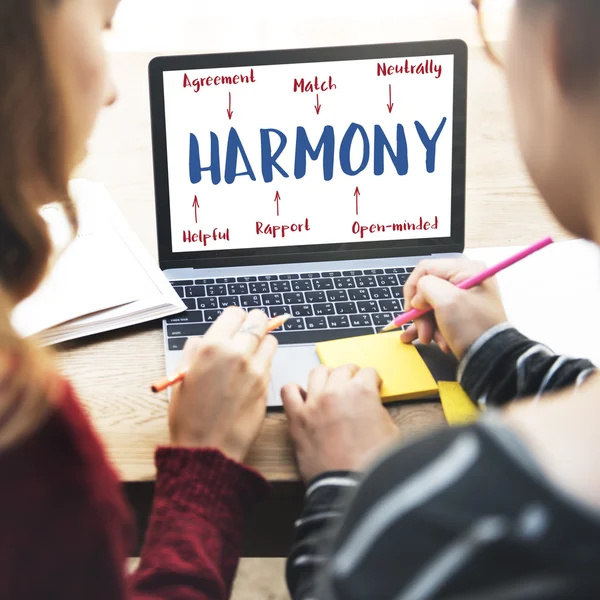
<point>291,364</point>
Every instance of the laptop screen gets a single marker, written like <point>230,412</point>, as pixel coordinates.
<point>271,156</point>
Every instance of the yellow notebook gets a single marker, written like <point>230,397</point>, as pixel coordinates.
<point>458,407</point>
<point>404,373</point>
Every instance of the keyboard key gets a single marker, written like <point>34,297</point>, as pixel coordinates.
<point>302,285</point>
<point>402,279</point>
<point>204,281</point>
<point>235,289</point>
<point>337,296</point>
<point>277,311</point>
<point>262,287</point>
<point>302,310</point>
<point>359,294</point>
<point>187,330</point>
<point>177,343</point>
<point>189,316</point>
<point>410,269</point>
<point>179,291</point>
<point>182,283</point>
<point>365,281</point>
<point>190,303</point>
<point>313,336</point>
<point>396,270</point>
<point>316,323</point>
<point>397,292</point>
<point>294,298</point>
<point>251,301</point>
<point>290,276</point>
<point>331,274</point>
<point>208,302</point>
<point>373,271</point>
<point>215,290</point>
<point>360,321</point>
<point>380,293</point>
<point>212,315</point>
<point>392,305</point>
<point>309,275</point>
<point>382,319</point>
<point>323,284</point>
<point>368,307</point>
<point>323,309</point>
<point>268,278</point>
<point>226,280</point>
<point>280,286</point>
<point>263,308</point>
<point>342,283</point>
<point>225,301</point>
<point>193,291</point>
<point>346,308</point>
<point>294,325</point>
<point>272,299</point>
<point>246,279</point>
<point>313,297</point>
<point>351,273</point>
<point>338,321</point>
<point>387,280</point>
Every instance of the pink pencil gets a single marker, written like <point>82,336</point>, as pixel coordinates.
<point>412,314</point>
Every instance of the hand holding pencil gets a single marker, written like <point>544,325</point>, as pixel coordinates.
<point>459,316</point>
<point>225,375</point>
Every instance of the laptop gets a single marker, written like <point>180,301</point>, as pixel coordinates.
<point>306,181</point>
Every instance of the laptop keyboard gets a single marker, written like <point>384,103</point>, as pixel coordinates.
<point>324,305</point>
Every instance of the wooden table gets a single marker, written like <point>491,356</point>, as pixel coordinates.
<point>112,371</point>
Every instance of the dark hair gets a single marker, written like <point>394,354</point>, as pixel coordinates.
<point>578,23</point>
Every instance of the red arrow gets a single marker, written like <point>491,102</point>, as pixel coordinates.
<point>229,111</point>
<point>317,105</point>
<point>390,104</point>
<point>196,206</point>
<point>356,195</point>
<point>277,199</point>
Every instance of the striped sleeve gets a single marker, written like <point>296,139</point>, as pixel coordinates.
<point>325,498</point>
<point>454,515</point>
<point>504,365</point>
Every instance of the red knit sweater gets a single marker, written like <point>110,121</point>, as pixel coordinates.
<point>65,530</point>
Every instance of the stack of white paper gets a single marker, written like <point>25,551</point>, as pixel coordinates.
<point>105,279</point>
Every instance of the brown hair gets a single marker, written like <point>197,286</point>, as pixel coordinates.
<point>33,171</point>
<point>578,23</point>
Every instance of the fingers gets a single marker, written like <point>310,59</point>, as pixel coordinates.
<point>452,270</point>
<point>293,402</point>
<point>227,325</point>
<point>408,336</point>
<point>263,358</point>
<point>317,380</point>
<point>370,377</point>
<point>252,332</point>
<point>441,342</point>
<point>341,375</point>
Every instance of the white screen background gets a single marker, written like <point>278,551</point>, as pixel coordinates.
<point>361,97</point>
